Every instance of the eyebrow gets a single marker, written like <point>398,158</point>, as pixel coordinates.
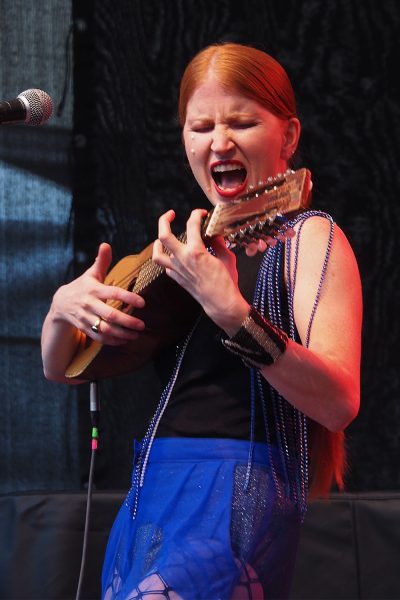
<point>231,117</point>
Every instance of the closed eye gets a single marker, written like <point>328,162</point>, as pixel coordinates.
<point>202,129</point>
<point>243,124</point>
<point>200,126</point>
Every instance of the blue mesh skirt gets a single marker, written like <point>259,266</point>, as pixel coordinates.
<point>201,533</point>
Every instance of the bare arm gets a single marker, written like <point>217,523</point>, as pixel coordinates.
<point>323,380</point>
<point>76,307</point>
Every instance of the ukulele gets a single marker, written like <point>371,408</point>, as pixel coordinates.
<point>170,311</point>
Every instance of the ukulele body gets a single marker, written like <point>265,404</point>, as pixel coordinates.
<point>169,314</point>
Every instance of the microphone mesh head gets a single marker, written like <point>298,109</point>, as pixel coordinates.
<point>40,106</point>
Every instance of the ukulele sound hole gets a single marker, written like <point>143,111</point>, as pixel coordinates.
<point>130,287</point>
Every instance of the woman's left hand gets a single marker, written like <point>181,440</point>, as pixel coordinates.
<point>211,279</point>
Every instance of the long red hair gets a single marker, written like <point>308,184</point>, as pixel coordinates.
<point>258,76</point>
<point>246,70</point>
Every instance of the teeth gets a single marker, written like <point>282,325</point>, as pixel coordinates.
<point>227,167</point>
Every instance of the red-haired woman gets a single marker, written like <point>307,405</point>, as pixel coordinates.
<point>264,384</point>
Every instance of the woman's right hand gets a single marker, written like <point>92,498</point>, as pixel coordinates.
<point>77,307</point>
<point>83,301</point>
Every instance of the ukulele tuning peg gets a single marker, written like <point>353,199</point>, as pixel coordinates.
<point>253,232</point>
<point>270,240</point>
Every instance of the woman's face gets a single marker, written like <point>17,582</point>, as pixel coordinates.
<point>231,141</point>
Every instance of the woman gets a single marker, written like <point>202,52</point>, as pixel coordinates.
<point>265,382</point>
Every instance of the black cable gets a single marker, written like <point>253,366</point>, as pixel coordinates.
<point>94,413</point>
<point>87,520</point>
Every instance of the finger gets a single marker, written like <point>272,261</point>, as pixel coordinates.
<point>290,232</point>
<point>113,323</point>
<point>193,227</point>
<point>226,256</point>
<point>261,245</point>
<point>251,249</point>
<point>159,255</point>
<point>113,330</point>
<point>165,235</point>
<point>116,295</point>
<point>112,336</point>
<point>218,244</point>
<point>270,241</point>
<point>118,318</point>
<point>102,262</point>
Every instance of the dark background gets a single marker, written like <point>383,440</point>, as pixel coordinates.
<point>112,162</point>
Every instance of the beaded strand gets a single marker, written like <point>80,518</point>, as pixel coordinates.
<point>132,499</point>
<point>290,423</point>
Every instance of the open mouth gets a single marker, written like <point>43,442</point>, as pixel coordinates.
<point>229,177</point>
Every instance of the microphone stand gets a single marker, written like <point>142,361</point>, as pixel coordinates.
<point>95,418</point>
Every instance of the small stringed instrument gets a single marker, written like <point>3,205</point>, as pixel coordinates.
<point>170,311</point>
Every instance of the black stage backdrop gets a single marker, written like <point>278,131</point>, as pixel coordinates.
<point>129,168</point>
<point>38,423</point>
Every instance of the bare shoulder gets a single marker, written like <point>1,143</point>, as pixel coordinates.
<point>318,237</point>
<point>326,267</point>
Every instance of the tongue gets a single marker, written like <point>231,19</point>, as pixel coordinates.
<point>231,179</point>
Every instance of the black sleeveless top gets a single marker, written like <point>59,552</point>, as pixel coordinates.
<point>211,396</point>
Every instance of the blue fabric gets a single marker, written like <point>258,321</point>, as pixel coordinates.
<point>197,534</point>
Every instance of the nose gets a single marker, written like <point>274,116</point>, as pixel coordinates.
<point>221,141</point>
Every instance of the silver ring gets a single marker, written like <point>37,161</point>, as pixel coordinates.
<point>96,325</point>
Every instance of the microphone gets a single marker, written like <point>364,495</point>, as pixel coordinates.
<point>33,107</point>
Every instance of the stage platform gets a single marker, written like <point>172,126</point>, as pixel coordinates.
<point>350,547</point>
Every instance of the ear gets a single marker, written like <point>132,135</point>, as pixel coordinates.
<point>291,138</point>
